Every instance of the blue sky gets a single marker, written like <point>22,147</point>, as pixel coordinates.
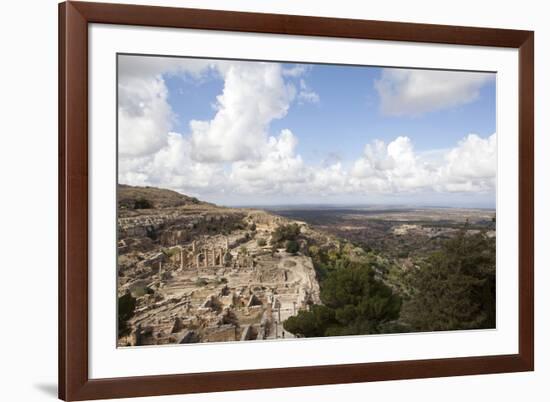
<point>394,135</point>
<point>347,115</point>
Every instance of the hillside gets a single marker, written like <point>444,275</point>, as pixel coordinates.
<point>130,197</point>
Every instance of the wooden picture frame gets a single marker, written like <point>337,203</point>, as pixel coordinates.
<point>74,381</point>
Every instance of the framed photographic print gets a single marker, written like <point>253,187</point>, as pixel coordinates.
<point>259,200</point>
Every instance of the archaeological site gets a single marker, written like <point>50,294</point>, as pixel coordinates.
<point>194,272</point>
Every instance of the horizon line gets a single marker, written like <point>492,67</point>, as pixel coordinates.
<point>356,205</point>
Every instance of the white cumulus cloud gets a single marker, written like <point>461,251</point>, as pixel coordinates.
<point>278,170</point>
<point>405,92</point>
<point>144,115</point>
<point>253,96</point>
<point>391,168</point>
<point>471,165</point>
<point>234,152</point>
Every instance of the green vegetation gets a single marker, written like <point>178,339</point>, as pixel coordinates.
<point>261,242</point>
<point>285,233</point>
<point>201,282</point>
<point>218,281</point>
<point>227,258</point>
<point>170,252</point>
<point>292,246</point>
<point>142,203</point>
<point>367,293</point>
<point>455,288</point>
<point>355,302</point>
<point>327,260</point>
<point>141,290</point>
<point>151,233</point>
<point>126,307</point>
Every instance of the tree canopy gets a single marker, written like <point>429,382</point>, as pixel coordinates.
<point>285,233</point>
<point>455,288</point>
<point>354,302</point>
<point>365,293</point>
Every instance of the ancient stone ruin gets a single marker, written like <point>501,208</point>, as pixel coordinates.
<point>208,275</point>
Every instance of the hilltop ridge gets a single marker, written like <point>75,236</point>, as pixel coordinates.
<point>134,197</point>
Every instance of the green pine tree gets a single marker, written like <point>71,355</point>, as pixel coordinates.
<point>455,288</point>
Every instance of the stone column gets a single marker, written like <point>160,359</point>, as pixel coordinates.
<point>206,258</point>
<point>181,258</point>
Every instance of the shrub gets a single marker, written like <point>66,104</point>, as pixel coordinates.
<point>292,246</point>
<point>201,282</point>
<point>126,306</point>
<point>150,232</point>
<point>142,203</point>
<point>227,258</point>
<point>170,252</point>
<point>314,251</point>
<point>285,232</point>
<point>261,242</point>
